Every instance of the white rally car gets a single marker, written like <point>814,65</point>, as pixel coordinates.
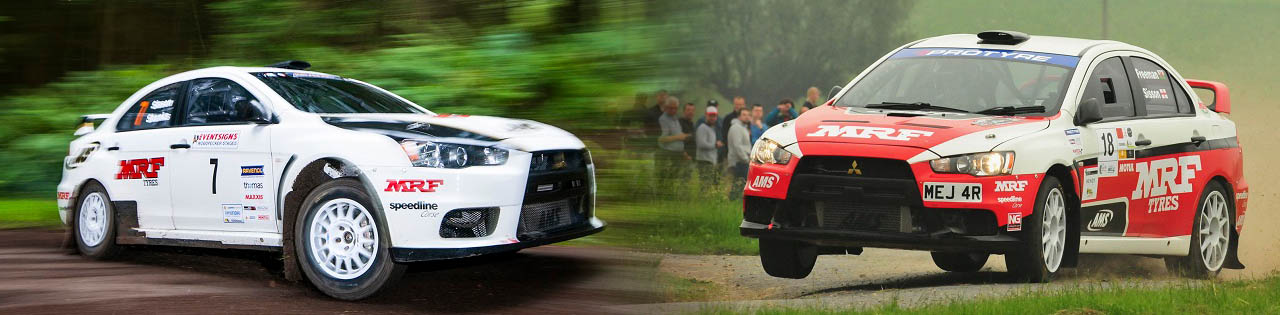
<point>1037,148</point>
<point>346,180</point>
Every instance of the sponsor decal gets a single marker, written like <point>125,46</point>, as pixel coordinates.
<point>1015,222</point>
<point>253,197</point>
<point>413,185</point>
<point>1126,168</point>
<point>1163,180</point>
<point>521,126</point>
<point>1090,184</point>
<point>1155,94</point>
<point>252,185</point>
<point>1239,195</point>
<point>953,192</point>
<point>1072,131</point>
<point>763,181</point>
<point>161,104</point>
<point>452,115</point>
<point>140,168</point>
<point>1100,220</point>
<point>1011,185</point>
<point>1149,75</point>
<point>1023,56</point>
<point>1009,199</point>
<point>420,205</point>
<point>1074,141</point>
<point>157,117</point>
<point>63,195</point>
<point>865,132</point>
<point>1108,168</point>
<point>417,125</point>
<point>217,140</point>
<point>252,170</point>
<point>232,213</point>
<point>993,121</point>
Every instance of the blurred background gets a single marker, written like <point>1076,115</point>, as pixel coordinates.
<point>592,67</point>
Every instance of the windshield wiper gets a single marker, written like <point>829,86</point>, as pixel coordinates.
<point>1011,110</point>
<point>915,106</point>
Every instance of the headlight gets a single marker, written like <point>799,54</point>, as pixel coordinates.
<point>449,155</point>
<point>769,152</point>
<point>977,164</point>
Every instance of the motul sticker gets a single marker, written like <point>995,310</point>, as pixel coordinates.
<point>1015,222</point>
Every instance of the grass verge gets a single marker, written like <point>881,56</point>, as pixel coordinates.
<point>1230,297</point>
<point>25,213</point>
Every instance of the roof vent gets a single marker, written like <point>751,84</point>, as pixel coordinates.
<point>291,64</point>
<point>1002,37</point>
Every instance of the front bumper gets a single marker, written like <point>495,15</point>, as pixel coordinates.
<point>835,200</point>
<point>477,209</point>
<point>426,254</point>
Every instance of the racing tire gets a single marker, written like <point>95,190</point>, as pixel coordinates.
<point>1210,236</point>
<point>94,223</point>
<point>787,259</point>
<point>960,262</point>
<point>1044,236</point>
<point>341,246</point>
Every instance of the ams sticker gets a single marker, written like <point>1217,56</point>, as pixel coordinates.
<point>1105,218</point>
<point>763,181</point>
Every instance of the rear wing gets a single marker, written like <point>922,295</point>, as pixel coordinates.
<point>90,122</point>
<point>1218,93</point>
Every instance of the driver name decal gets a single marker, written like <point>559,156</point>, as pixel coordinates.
<point>865,132</point>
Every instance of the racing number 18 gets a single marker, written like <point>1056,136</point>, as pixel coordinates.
<point>1108,144</point>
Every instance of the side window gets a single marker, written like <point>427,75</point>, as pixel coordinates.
<point>1156,87</point>
<point>217,101</point>
<point>1110,86</point>
<point>1184,101</point>
<point>152,111</point>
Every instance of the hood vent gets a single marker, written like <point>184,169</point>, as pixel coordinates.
<point>925,125</point>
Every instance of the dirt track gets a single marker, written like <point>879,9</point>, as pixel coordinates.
<point>38,278</point>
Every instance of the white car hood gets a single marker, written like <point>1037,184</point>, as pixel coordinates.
<point>520,134</point>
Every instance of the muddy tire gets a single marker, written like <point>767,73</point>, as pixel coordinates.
<point>93,223</point>
<point>341,245</point>
<point>787,259</point>
<point>1210,236</point>
<point>1044,235</point>
<point>960,262</point>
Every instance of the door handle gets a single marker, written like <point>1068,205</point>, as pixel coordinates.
<point>179,146</point>
<point>1142,142</point>
<point>113,148</point>
<point>1197,139</point>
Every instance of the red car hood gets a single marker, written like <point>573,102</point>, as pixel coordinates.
<point>918,129</point>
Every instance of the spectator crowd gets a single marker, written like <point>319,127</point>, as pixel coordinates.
<point>713,145</point>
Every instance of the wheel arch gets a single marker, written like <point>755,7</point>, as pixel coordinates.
<point>1071,253</point>
<point>299,181</point>
<point>1233,259</point>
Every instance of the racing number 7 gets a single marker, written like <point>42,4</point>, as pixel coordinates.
<point>214,186</point>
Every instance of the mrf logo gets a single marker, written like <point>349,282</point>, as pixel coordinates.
<point>865,132</point>
<point>413,185</point>
<point>140,168</point>
<point>763,181</point>
<point>1011,185</point>
<point>1163,177</point>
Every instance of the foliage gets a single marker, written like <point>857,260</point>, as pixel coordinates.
<point>556,61</point>
<point>24,213</point>
<point>767,50</point>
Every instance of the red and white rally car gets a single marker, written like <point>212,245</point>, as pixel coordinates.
<point>1038,148</point>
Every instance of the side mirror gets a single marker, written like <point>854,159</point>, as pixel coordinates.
<point>1219,94</point>
<point>253,112</point>
<point>834,90</point>
<point>1088,112</point>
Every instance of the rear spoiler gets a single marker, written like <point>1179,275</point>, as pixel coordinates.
<point>90,122</point>
<point>1221,94</point>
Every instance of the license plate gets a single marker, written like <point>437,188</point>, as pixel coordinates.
<point>953,192</point>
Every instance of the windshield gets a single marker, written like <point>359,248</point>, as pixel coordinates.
<point>326,94</point>
<point>972,80</point>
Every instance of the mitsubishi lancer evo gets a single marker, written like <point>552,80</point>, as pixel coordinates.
<point>1037,148</point>
<point>347,181</point>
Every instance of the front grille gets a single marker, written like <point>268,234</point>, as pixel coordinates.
<point>465,223</point>
<point>855,216</point>
<point>558,160</point>
<point>547,217</point>
<point>854,167</point>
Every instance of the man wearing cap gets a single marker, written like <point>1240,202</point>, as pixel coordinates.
<point>707,145</point>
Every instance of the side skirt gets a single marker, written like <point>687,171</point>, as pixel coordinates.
<point>1166,246</point>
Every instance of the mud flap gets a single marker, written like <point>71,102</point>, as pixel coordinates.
<point>1233,261</point>
<point>1071,254</point>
